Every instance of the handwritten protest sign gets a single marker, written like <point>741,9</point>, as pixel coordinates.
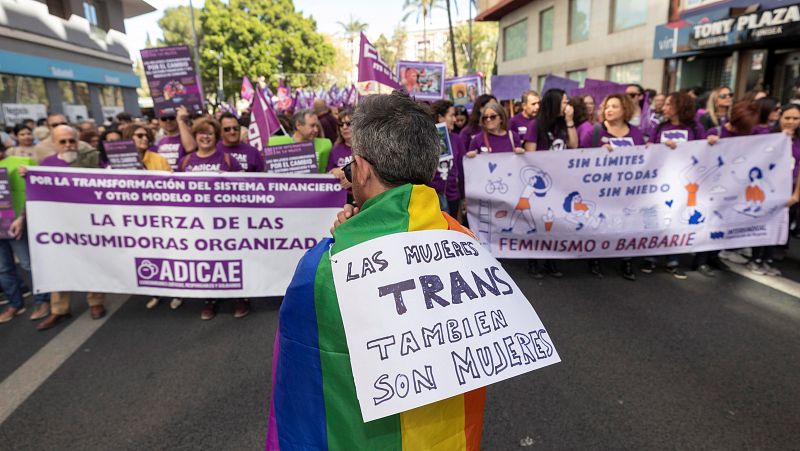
<point>429,315</point>
<point>636,200</point>
<point>7,214</point>
<point>197,235</point>
<point>122,154</point>
<point>296,158</point>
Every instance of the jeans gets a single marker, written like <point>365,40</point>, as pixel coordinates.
<point>20,248</point>
<point>10,281</point>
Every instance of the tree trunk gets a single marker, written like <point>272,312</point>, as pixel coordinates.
<point>424,37</point>
<point>452,41</point>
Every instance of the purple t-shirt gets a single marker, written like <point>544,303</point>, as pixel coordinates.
<point>467,133</point>
<point>723,132</point>
<point>557,137</point>
<point>677,133</point>
<point>583,127</point>
<point>496,144</point>
<point>796,154</point>
<point>216,162</point>
<point>170,148</point>
<point>455,183</point>
<point>340,155</point>
<point>634,137</point>
<point>445,179</point>
<point>54,161</point>
<point>249,158</point>
<point>520,124</point>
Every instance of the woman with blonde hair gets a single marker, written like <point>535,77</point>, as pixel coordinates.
<point>495,135</point>
<point>718,108</point>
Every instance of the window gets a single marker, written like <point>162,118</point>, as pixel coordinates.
<point>626,73</point>
<point>17,89</point>
<point>579,12</point>
<point>57,8</point>
<point>546,29</point>
<point>577,75</point>
<point>82,94</point>
<point>540,82</point>
<point>627,14</point>
<point>111,96</point>
<point>515,40</point>
<point>90,13</point>
<point>67,91</point>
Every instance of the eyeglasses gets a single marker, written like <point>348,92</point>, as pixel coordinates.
<point>490,118</point>
<point>725,96</point>
<point>634,95</point>
<point>140,135</point>
<point>167,118</point>
<point>57,124</point>
<point>67,141</point>
<point>343,123</point>
<point>234,128</point>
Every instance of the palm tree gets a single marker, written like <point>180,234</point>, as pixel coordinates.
<point>452,40</point>
<point>422,8</point>
<point>351,29</point>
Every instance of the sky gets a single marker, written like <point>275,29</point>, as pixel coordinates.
<point>381,15</point>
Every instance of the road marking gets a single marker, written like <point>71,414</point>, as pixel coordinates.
<point>781,284</point>
<point>17,387</point>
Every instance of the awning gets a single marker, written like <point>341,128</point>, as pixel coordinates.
<point>35,66</point>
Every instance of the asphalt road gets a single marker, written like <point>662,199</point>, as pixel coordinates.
<point>653,364</point>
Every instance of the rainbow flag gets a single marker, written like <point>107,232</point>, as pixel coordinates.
<point>314,404</point>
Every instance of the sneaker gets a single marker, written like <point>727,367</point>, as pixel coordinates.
<point>175,303</point>
<point>706,271</point>
<point>241,309</point>
<point>745,252</point>
<point>209,311</point>
<point>152,303</point>
<point>733,257</point>
<point>596,269</point>
<point>648,267</point>
<point>756,268</point>
<point>9,314</point>
<point>676,272</point>
<point>26,292</point>
<point>627,271</point>
<point>770,270</point>
<point>551,268</point>
<point>533,269</point>
<point>41,311</point>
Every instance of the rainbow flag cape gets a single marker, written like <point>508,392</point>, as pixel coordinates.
<point>314,404</point>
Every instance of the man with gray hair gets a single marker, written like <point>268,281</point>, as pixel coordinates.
<point>395,154</point>
<point>306,129</point>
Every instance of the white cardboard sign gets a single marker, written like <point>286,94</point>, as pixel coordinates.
<point>429,315</point>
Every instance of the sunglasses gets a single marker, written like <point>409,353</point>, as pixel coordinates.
<point>140,135</point>
<point>490,118</point>
<point>634,95</point>
<point>67,141</point>
<point>234,128</point>
<point>167,118</point>
<point>726,96</point>
<point>57,124</point>
<point>343,123</point>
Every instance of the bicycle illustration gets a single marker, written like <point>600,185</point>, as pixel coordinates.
<point>496,185</point>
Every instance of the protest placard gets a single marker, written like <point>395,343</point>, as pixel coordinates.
<point>172,79</point>
<point>445,146</point>
<point>7,214</point>
<point>510,87</point>
<point>423,80</point>
<point>636,200</point>
<point>199,235</point>
<point>464,90</point>
<point>122,154</point>
<point>295,158</point>
<point>429,315</point>
<point>556,82</point>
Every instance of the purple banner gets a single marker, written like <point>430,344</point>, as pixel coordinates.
<point>295,158</point>
<point>7,214</point>
<point>122,154</point>
<point>371,66</point>
<point>183,190</point>
<point>510,87</point>
<point>172,79</point>
<point>556,82</point>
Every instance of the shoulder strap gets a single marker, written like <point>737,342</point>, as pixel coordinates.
<point>486,141</point>
<point>658,131</point>
<point>511,140</point>
<point>596,134</point>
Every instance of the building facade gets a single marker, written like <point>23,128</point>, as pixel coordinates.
<point>578,39</point>
<point>67,56</point>
<point>742,44</point>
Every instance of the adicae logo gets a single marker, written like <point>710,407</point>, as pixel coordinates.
<point>147,269</point>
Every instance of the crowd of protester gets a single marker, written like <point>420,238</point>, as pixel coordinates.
<point>196,142</point>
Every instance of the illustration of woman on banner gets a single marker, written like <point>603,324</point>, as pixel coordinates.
<point>694,174</point>
<point>754,192</point>
<point>582,212</point>
<point>537,183</point>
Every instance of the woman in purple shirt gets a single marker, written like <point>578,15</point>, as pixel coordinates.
<point>613,130</point>
<point>473,126</point>
<point>447,179</point>
<point>342,152</point>
<point>553,128</point>
<point>789,123</point>
<point>494,136</point>
<point>768,112</point>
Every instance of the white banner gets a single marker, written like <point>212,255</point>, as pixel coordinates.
<point>429,315</point>
<point>15,113</point>
<point>632,201</point>
<point>186,235</point>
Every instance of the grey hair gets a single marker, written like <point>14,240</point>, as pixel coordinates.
<point>397,137</point>
<point>529,93</point>
<point>300,116</point>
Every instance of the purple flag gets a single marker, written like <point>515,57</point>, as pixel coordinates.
<point>264,122</point>
<point>371,66</point>
<point>247,89</point>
